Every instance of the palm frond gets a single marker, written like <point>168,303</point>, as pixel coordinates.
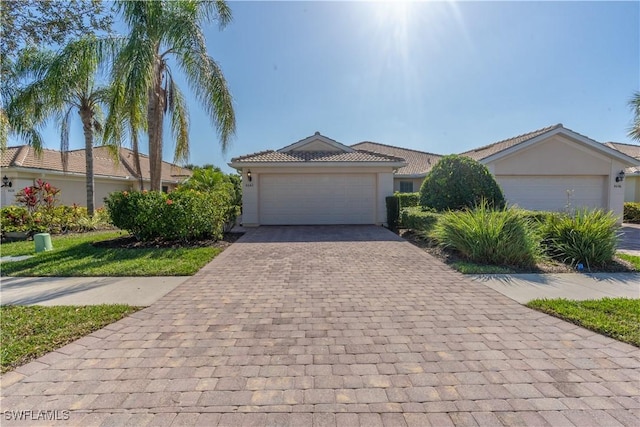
<point>634,104</point>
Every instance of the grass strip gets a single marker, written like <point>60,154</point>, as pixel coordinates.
<point>75,256</point>
<point>618,318</point>
<point>28,332</point>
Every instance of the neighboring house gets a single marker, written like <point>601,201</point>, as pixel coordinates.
<point>407,179</point>
<point>632,174</point>
<point>316,181</point>
<point>555,168</point>
<point>22,166</point>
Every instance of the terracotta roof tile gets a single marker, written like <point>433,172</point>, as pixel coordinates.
<point>315,156</point>
<point>104,163</point>
<point>496,147</point>
<point>630,150</point>
<point>419,162</point>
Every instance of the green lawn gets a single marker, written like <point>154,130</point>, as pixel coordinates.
<point>28,332</point>
<point>75,256</point>
<point>617,318</point>
<point>633,259</point>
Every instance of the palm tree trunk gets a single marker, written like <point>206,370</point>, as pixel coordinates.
<point>86,117</point>
<point>136,158</point>
<point>155,115</point>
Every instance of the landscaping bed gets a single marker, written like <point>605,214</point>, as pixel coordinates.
<point>130,242</point>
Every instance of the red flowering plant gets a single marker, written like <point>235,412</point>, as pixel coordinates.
<point>40,195</point>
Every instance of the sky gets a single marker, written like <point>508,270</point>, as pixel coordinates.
<point>441,77</point>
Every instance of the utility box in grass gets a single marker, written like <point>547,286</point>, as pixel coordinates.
<point>42,242</point>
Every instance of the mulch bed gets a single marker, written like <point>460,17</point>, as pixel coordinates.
<point>130,242</point>
<point>449,257</point>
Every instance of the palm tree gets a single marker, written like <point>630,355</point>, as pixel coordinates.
<point>160,30</point>
<point>61,83</point>
<point>634,103</point>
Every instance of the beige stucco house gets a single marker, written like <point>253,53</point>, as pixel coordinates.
<point>319,181</point>
<point>632,173</point>
<point>22,166</point>
<point>316,180</point>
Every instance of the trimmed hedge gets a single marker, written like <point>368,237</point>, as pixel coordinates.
<point>416,219</point>
<point>631,212</point>
<point>393,212</point>
<point>458,182</point>
<point>407,200</point>
<point>181,215</point>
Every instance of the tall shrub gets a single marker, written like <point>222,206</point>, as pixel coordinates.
<point>458,182</point>
<point>587,237</point>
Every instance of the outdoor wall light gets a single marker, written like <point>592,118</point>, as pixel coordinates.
<point>6,182</point>
<point>249,175</point>
<point>620,176</point>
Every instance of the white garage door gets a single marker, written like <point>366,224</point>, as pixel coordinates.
<point>307,199</point>
<point>553,193</point>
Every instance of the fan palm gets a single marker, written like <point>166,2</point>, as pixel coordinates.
<point>60,83</point>
<point>634,103</point>
<point>160,30</point>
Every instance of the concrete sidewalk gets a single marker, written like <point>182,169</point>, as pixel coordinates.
<point>575,286</point>
<point>138,291</point>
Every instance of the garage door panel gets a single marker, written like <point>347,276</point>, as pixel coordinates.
<point>299,199</point>
<point>553,193</point>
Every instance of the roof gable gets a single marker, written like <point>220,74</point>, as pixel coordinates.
<point>500,149</point>
<point>317,143</point>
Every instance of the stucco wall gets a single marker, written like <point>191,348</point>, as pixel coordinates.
<point>632,188</point>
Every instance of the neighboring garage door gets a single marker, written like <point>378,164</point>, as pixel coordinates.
<point>549,193</point>
<point>307,199</point>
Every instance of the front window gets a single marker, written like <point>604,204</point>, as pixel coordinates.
<point>406,186</point>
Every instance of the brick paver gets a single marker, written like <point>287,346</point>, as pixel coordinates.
<point>315,326</point>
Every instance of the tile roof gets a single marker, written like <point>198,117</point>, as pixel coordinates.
<point>496,147</point>
<point>630,150</point>
<point>272,156</point>
<point>104,164</point>
<point>418,162</point>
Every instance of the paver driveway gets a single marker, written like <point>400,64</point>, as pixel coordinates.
<point>333,325</point>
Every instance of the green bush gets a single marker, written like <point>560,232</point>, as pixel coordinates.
<point>54,220</point>
<point>407,200</point>
<point>415,218</point>
<point>181,215</point>
<point>484,235</point>
<point>15,218</point>
<point>393,211</point>
<point>458,182</point>
<point>631,212</point>
<point>587,237</point>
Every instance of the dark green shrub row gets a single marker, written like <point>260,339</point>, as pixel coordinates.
<point>587,237</point>
<point>407,200</point>
<point>484,235</point>
<point>181,215</point>
<point>458,182</point>
<point>393,211</point>
<point>631,212</point>
<point>417,219</point>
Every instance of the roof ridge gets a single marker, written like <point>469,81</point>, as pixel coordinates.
<point>388,156</point>
<point>621,143</point>
<point>396,147</point>
<point>524,135</point>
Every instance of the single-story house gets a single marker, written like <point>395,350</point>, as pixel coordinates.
<point>632,173</point>
<point>22,166</point>
<point>407,179</point>
<point>316,181</point>
<point>320,181</point>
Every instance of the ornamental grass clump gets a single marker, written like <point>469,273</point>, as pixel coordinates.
<point>488,236</point>
<point>587,237</point>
